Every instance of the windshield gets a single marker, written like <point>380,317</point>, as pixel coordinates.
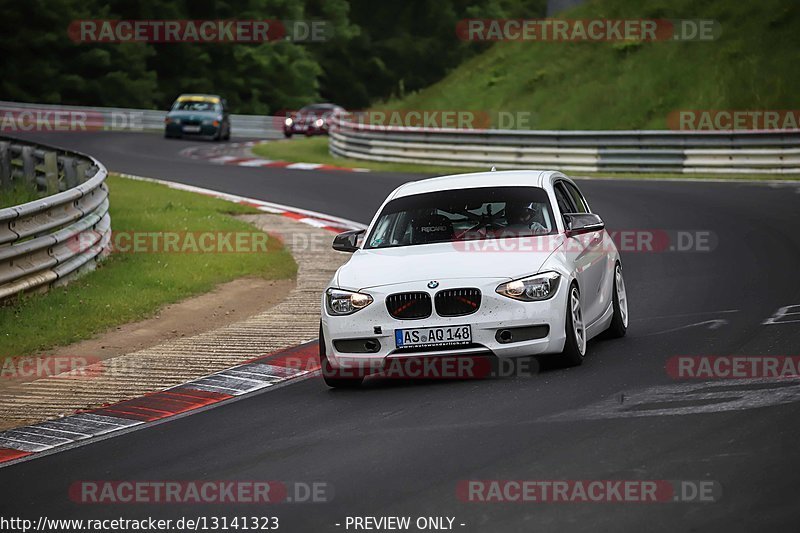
<point>460,215</point>
<point>196,105</point>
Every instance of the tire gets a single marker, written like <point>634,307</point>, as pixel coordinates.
<point>227,135</point>
<point>575,345</point>
<point>287,134</point>
<point>619,321</point>
<point>331,375</point>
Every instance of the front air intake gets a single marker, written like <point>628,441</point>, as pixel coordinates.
<point>409,305</point>
<point>457,302</point>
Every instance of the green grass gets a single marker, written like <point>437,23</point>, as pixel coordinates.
<point>315,150</point>
<point>133,286</point>
<point>596,85</point>
<point>607,85</point>
<point>20,193</point>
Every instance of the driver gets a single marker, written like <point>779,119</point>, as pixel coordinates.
<point>524,218</point>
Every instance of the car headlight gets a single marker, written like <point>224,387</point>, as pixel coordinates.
<point>319,122</point>
<point>288,122</point>
<point>531,289</point>
<point>341,302</point>
<point>170,120</point>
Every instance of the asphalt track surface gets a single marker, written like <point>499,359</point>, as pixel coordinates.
<point>400,448</point>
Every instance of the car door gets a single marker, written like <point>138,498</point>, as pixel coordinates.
<point>586,252</point>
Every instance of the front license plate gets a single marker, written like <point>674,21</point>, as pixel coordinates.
<point>437,336</point>
<point>191,129</point>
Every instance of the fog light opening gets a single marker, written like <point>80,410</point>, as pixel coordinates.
<point>372,346</point>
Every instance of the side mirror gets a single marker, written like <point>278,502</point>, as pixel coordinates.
<point>347,241</point>
<point>580,223</point>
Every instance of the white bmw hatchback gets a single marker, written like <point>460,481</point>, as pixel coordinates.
<point>502,264</point>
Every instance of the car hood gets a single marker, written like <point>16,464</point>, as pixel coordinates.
<point>494,258</point>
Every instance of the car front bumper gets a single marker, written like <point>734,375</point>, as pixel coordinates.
<point>543,324</point>
<point>177,130</point>
<point>303,129</point>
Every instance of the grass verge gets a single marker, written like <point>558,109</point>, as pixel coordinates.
<point>315,150</point>
<point>20,193</point>
<point>633,85</point>
<point>133,286</point>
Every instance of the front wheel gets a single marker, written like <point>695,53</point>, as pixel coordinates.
<point>575,345</point>
<point>619,322</point>
<point>331,375</point>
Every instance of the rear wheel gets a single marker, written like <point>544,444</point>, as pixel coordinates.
<point>332,376</point>
<point>575,345</point>
<point>619,322</point>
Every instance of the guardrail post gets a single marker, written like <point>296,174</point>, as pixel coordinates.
<point>51,172</point>
<point>81,169</point>
<point>28,165</point>
<point>5,166</point>
<point>36,241</point>
<point>70,172</point>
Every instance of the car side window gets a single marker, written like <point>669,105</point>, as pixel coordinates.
<point>563,199</point>
<point>577,198</point>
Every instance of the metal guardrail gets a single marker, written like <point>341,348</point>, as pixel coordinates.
<point>48,241</point>
<point>712,152</point>
<point>127,119</point>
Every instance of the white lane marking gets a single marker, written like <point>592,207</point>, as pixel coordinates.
<point>304,166</point>
<point>685,315</point>
<point>690,398</point>
<point>314,222</point>
<point>270,210</point>
<point>712,324</point>
<point>36,435</point>
<point>103,419</point>
<point>253,163</point>
<point>21,445</point>
<point>54,425</point>
<point>222,159</point>
<point>789,310</point>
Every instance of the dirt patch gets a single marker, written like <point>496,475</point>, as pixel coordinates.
<point>228,303</point>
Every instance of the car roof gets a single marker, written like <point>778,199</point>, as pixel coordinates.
<point>198,95</point>
<point>320,106</point>
<point>506,178</point>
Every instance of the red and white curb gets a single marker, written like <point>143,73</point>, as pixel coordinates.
<point>304,216</point>
<point>259,373</point>
<point>216,155</point>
